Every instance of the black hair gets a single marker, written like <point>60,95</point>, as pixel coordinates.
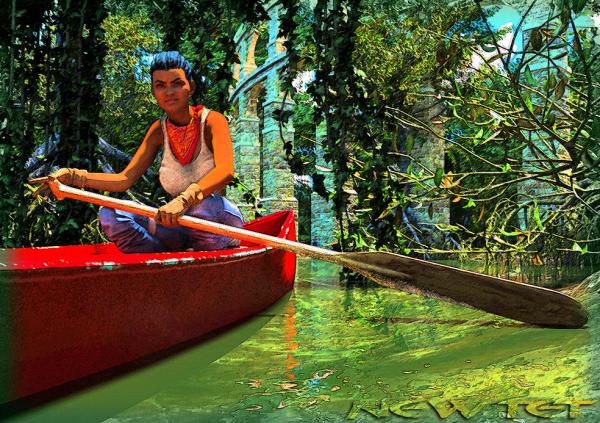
<point>167,60</point>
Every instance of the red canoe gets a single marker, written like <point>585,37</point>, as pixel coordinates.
<point>70,312</point>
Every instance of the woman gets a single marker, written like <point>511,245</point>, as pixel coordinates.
<point>197,162</point>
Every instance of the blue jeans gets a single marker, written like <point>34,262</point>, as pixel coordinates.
<point>134,234</point>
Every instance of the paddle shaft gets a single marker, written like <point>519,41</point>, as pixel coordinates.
<point>62,191</point>
<point>511,299</point>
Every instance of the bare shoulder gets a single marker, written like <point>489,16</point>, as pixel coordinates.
<point>215,119</point>
<point>154,135</point>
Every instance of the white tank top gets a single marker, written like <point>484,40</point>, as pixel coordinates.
<point>174,177</point>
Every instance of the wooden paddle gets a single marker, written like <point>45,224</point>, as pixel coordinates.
<point>527,303</point>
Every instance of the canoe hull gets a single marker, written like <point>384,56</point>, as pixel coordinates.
<point>67,323</point>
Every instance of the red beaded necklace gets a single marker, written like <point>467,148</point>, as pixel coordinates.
<point>183,140</point>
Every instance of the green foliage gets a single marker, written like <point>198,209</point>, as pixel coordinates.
<point>128,107</point>
<point>366,76</point>
<point>395,77</point>
<point>531,128</point>
<point>334,90</point>
<point>304,132</point>
<point>54,53</point>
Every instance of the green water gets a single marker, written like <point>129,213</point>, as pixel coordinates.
<point>336,354</point>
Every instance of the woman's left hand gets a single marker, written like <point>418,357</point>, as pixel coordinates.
<point>168,214</point>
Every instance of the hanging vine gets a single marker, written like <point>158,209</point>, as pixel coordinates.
<point>54,57</point>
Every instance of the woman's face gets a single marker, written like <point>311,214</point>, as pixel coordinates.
<point>171,89</point>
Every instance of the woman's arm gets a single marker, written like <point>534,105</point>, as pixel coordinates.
<point>122,181</point>
<point>222,147</point>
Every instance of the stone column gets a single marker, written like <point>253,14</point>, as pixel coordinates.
<point>277,181</point>
<point>246,54</point>
<point>275,45</point>
<point>428,150</point>
<point>246,152</point>
<point>323,223</point>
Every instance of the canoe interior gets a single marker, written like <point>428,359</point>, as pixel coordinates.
<point>107,255</point>
<point>70,312</point>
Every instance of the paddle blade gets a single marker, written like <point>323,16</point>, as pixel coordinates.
<point>519,301</point>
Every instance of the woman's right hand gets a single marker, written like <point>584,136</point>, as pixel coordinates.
<point>68,176</point>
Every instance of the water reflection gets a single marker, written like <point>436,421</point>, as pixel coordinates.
<point>553,273</point>
<point>367,353</point>
<point>290,338</point>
